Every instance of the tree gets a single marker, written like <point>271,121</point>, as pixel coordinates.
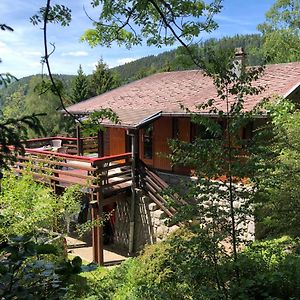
<point>42,100</point>
<point>14,105</point>
<point>278,213</point>
<point>281,31</point>
<point>80,87</point>
<point>159,22</point>
<point>37,207</point>
<point>220,198</point>
<point>103,79</point>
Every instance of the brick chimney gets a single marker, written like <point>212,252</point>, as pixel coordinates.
<point>239,61</point>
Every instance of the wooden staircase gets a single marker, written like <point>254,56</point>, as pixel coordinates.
<point>157,190</point>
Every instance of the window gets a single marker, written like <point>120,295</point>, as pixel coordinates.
<point>147,138</point>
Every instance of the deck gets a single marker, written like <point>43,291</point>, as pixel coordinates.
<point>103,179</point>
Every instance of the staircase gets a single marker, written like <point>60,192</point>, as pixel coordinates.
<point>156,189</point>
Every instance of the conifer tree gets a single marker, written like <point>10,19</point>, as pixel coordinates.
<point>80,86</point>
<point>103,79</point>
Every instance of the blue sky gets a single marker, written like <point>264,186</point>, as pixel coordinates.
<point>22,49</point>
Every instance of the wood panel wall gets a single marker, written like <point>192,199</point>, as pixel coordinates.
<point>162,131</point>
<point>117,141</point>
<point>183,133</point>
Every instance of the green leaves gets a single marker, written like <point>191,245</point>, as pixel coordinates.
<point>27,271</point>
<point>93,123</point>
<point>56,14</point>
<point>27,206</point>
<point>281,31</point>
<point>159,23</point>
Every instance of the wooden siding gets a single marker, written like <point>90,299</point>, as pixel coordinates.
<point>117,141</point>
<point>162,132</point>
<point>183,133</point>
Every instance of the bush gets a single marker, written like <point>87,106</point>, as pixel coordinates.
<point>186,266</point>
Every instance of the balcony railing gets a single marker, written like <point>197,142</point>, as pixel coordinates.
<point>78,146</point>
<point>62,170</point>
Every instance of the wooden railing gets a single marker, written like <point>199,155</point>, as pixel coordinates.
<point>62,170</point>
<point>72,145</point>
<point>155,187</point>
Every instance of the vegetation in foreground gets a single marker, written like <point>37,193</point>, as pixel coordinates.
<point>179,268</point>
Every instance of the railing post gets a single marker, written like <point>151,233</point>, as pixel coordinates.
<point>134,151</point>
<point>100,142</point>
<point>95,235</point>
<point>79,141</point>
<point>97,216</point>
<point>100,229</point>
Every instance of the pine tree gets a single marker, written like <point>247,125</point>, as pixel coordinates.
<point>80,87</point>
<point>103,79</point>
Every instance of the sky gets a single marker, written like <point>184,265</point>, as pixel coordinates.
<point>21,50</point>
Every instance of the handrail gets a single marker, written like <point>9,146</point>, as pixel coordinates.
<point>60,169</point>
<point>57,138</point>
<point>154,185</point>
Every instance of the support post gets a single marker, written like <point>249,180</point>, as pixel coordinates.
<point>79,141</point>
<point>134,151</point>
<point>100,229</point>
<point>97,230</point>
<point>95,242</point>
<point>100,139</point>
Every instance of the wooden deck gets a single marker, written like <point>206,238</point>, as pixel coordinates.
<point>108,174</point>
<point>103,179</point>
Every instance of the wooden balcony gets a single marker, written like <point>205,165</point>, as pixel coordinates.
<point>75,146</point>
<point>103,179</point>
<point>106,174</point>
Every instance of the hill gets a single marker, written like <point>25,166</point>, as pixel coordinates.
<point>177,60</point>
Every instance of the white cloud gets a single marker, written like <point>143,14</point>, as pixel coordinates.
<point>33,53</point>
<point>75,53</point>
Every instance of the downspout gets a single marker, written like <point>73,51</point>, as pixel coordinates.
<point>134,157</point>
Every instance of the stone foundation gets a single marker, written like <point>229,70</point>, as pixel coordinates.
<point>149,224</point>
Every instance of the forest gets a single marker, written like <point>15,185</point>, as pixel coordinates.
<point>207,257</point>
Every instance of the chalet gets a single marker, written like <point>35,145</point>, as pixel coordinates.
<point>150,114</point>
<point>150,109</point>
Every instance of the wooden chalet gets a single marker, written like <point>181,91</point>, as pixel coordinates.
<point>150,110</point>
<point>129,153</point>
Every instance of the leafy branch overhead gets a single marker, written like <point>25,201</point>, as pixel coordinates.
<point>93,123</point>
<point>159,22</point>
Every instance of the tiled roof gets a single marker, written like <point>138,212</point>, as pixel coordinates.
<point>165,92</point>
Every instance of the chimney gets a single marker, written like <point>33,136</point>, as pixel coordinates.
<point>239,61</point>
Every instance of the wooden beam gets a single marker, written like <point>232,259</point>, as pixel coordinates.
<point>79,141</point>
<point>134,153</point>
<point>100,140</point>
<point>100,229</point>
<point>95,243</point>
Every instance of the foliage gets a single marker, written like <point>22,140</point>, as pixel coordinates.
<point>15,104</point>
<point>117,283</point>
<point>159,22</point>
<point>29,207</point>
<point>279,194</point>
<point>102,79</point>
<point>42,98</point>
<point>183,267</point>
<point>93,123</point>
<point>80,86</point>
<point>12,132</point>
<point>28,270</point>
<point>281,31</point>
<point>220,197</point>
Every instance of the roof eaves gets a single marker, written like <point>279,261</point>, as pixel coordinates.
<point>293,89</point>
